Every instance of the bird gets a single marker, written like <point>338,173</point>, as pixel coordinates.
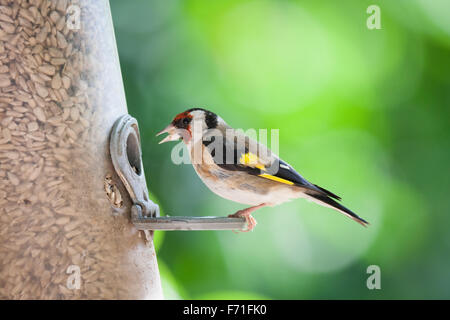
<point>238,168</point>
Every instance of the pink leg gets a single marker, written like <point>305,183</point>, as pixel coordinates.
<point>247,214</point>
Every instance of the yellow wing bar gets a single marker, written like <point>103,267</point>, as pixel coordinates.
<point>270,177</point>
<point>251,160</point>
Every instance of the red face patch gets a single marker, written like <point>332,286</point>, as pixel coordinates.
<point>183,120</point>
<point>182,115</point>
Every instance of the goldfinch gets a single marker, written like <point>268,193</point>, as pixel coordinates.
<point>238,168</point>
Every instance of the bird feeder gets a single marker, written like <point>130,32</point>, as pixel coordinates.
<point>65,230</point>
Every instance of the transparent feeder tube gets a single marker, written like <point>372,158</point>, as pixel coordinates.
<point>64,214</point>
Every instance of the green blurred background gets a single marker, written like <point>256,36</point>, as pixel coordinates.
<point>364,113</point>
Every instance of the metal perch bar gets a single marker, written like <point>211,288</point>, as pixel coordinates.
<point>189,223</point>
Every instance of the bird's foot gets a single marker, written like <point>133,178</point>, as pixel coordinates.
<point>251,222</point>
<point>247,214</point>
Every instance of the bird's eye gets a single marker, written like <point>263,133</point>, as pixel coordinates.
<point>185,121</point>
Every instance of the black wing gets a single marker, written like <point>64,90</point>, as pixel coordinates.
<point>230,155</point>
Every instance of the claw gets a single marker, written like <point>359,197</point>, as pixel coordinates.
<point>247,214</point>
<point>251,222</point>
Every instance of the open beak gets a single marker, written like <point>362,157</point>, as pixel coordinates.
<point>173,135</point>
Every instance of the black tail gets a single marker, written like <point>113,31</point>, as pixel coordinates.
<point>324,199</point>
<point>329,193</point>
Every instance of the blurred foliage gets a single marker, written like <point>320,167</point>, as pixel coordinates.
<point>364,113</point>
